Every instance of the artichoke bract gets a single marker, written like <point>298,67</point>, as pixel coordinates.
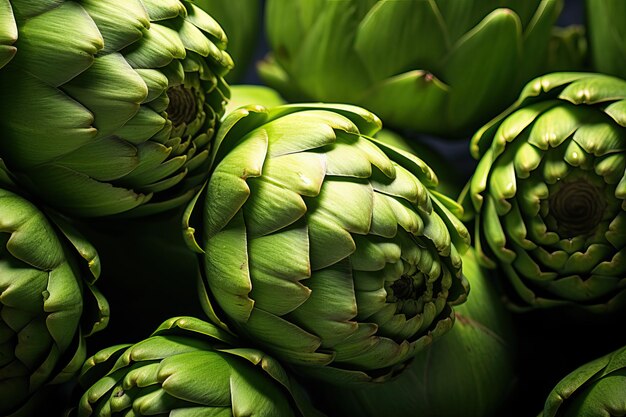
<point>442,67</point>
<point>468,372</point>
<point>8,33</point>
<point>110,105</point>
<point>594,389</point>
<point>549,192</point>
<point>607,36</point>
<point>331,250</point>
<point>241,20</point>
<point>48,304</point>
<point>192,368</point>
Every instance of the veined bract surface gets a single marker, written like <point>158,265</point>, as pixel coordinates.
<point>328,248</point>
<point>109,105</point>
<point>607,36</point>
<point>549,192</point>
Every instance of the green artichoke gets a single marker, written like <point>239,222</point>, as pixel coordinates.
<point>595,389</point>
<point>8,33</point>
<point>48,304</point>
<point>109,105</point>
<point>188,367</point>
<point>331,250</point>
<point>241,20</point>
<point>549,193</point>
<point>443,67</point>
<point>607,36</point>
<point>468,372</point>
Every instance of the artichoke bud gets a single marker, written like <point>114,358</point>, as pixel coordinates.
<point>188,365</point>
<point>468,372</point>
<point>115,113</point>
<point>328,248</point>
<point>447,67</point>
<point>549,193</point>
<point>46,298</point>
<point>594,388</point>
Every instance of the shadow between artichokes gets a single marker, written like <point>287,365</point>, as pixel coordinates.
<point>549,193</point>
<point>48,303</point>
<point>110,105</point>
<point>188,367</point>
<point>327,248</point>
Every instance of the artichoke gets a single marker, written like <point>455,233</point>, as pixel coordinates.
<point>594,389</point>
<point>241,20</point>
<point>607,36</point>
<point>8,33</point>
<point>110,105</point>
<point>48,304</point>
<point>443,67</point>
<point>331,250</point>
<point>549,193</point>
<point>188,367</point>
<point>468,372</point>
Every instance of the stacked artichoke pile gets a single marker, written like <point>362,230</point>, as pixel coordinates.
<point>176,244</point>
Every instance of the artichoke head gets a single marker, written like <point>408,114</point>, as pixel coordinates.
<point>188,367</point>
<point>442,67</point>
<point>468,372</point>
<point>549,191</point>
<point>109,105</point>
<point>47,299</point>
<point>331,250</point>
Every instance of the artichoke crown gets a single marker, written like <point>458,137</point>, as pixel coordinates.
<point>109,105</point>
<point>330,249</point>
<point>549,190</point>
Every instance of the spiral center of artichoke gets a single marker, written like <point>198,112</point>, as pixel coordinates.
<point>404,288</point>
<point>182,107</point>
<point>578,207</point>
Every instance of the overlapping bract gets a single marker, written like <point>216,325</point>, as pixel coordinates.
<point>549,190</point>
<point>468,372</point>
<point>439,66</point>
<point>109,105</point>
<point>46,279</point>
<point>188,367</point>
<point>329,249</point>
<point>241,21</point>
<point>594,389</point>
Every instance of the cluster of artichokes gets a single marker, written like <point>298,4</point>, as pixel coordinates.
<point>175,243</point>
